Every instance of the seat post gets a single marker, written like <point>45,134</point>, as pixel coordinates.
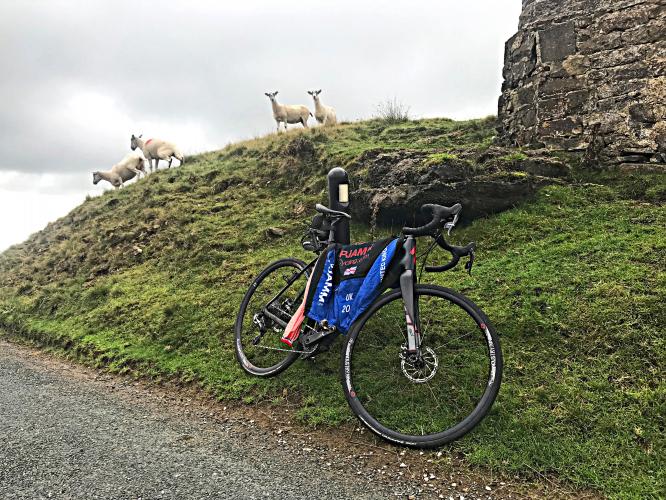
<point>338,199</point>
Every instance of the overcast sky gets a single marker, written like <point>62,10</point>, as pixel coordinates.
<point>79,77</point>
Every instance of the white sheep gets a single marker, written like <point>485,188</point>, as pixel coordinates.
<point>157,149</point>
<point>323,114</point>
<point>128,168</point>
<point>283,113</point>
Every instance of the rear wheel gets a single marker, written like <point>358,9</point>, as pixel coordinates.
<point>257,336</point>
<point>433,399</point>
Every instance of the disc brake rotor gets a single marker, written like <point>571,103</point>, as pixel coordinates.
<point>421,370</point>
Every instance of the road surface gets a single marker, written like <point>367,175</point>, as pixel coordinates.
<point>67,435</point>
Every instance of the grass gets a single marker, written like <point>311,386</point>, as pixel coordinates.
<point>515,156</point>
<point>392,111</point>
<point>147,281</point>
<point>437,158</point>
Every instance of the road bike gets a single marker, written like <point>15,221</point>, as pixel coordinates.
<point>420,367</point>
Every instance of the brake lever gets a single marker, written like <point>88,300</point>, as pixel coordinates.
<point>470,262</point>
<point>450,225</point>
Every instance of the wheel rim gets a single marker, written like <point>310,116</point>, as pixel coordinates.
<point>269,353</point>
<point>443,401</point>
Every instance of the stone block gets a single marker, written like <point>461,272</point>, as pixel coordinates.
<point>622,20</point>
<point>524,96</point>
<point>519,70</point>
<point>577,100</point>
<point>619,88</point>
<point>544,166</point>
<point>562,143</point>
<point>618,56</point>
<point>564,126</point>
<point>642,112</point>
<point>528,118</point>
<point>557,42</point>
<point>658,136</point>
<point>575,65</point>
<point>553,86</point>
<point>550,109</point>
<point>521,45</point>
<point>633,71</point>
<point>599,42</point>
<point>651,32</point>
<point>597,83</point>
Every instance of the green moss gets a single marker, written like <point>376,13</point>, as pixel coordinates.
<point>573,280</point>
<point>438,158</point>
<point>513,157</point>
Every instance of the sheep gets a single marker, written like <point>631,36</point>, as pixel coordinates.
<point>283,113</point>
<point>157,149</point>
<point>323,114</point>
<point>129,167</point>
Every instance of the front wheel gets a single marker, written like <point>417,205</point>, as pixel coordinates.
<point>436,398</point>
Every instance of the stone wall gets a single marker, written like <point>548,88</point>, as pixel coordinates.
<point>588,76</point>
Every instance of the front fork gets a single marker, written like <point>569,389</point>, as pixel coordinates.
<point>407,287</point>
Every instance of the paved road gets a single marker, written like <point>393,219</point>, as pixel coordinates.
<point>63,435</point>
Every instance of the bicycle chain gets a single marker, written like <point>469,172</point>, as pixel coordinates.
<point>285,350</point>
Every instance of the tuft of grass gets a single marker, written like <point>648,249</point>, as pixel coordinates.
<point>392,111</point>
<point>437,158</point>
<point>574,281</point>
<point>513,157</point>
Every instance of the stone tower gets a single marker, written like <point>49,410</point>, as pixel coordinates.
<point>588,76</point>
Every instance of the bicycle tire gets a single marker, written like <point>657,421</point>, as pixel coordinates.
<point>241,355</point>
<point>453,432</point>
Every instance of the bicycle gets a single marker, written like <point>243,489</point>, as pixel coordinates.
<point>421,366</point>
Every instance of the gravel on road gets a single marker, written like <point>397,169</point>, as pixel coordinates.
<point>68,431</point>
<point>63,436</point>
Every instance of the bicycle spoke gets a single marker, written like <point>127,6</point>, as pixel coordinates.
<point>467,335</point>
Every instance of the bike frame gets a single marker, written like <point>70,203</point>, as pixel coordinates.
<point>266,310</point>
<point>407,281</point>
<point>407,287</point>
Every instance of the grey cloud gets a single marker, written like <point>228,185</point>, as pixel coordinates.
<point>82,76</point>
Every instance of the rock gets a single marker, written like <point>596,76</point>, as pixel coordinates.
<point>557,41</point>
<point>544,167</point>
<point>396,185</point>
<point>586,76</point>
<point>275,232</point>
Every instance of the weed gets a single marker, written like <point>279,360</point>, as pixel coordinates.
<point>392,111</point>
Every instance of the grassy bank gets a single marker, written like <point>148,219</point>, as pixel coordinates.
<point>148,280</point>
